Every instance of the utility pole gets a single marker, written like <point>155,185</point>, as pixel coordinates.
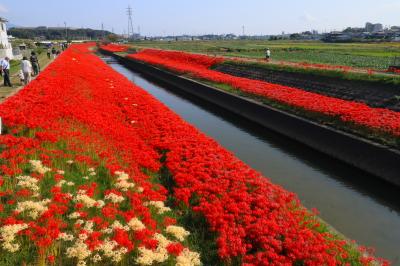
<point>243,30</point>
<point>66,31</point>
<point>130,22</point>
<point>102,29</point>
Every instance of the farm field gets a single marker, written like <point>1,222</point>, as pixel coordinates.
<point>106,175</point>
<point>359,55</point>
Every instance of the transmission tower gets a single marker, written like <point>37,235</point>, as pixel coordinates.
<point>130,22</point>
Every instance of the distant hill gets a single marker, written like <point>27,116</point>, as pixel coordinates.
<point>56,33</point>
<point>10,26</point>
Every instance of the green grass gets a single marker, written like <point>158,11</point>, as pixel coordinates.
<point>360,55</point>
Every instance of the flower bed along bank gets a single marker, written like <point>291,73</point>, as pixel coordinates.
<point>114,48</point>
<point>378,120</point>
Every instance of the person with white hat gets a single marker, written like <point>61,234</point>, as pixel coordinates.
<point>267,54</point>
<point>5,66</point>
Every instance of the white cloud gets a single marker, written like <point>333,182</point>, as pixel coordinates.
<point>307,18</point>
<point>3,9</point>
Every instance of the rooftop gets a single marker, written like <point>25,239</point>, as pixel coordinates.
<point>3,19</point>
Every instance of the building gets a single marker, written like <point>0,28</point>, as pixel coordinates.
<point>370,27</point>
<point>337,36</point>
<point>5,46</point>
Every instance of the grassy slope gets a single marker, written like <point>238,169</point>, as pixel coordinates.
<point>363,132</point>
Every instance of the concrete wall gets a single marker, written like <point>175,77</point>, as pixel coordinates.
<point>6,52</point>
<point>5,46</point>
<point>370,157</point>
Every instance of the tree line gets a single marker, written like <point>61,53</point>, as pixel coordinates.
<point>57,33</point>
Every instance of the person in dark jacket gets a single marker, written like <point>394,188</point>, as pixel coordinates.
<point>35,64</point>
<point>54,52</point>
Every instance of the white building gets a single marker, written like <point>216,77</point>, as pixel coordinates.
<point>5,46</point>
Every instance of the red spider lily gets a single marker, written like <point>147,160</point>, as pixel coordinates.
<point>114,48</point>
<point>348,111</point>
<point>252,218</point>
<point>175,248</point>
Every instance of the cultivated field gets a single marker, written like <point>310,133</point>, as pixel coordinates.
<point>359,55</point>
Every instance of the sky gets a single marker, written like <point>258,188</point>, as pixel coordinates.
<point>196,17</point>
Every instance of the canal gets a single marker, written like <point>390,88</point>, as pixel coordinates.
<point>354,203</point>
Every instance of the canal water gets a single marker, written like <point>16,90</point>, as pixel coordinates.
<point>354,203</point>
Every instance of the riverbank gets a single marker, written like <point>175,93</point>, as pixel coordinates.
<point>348,148</point>
<point>343,195</point>
<point>101,137</point>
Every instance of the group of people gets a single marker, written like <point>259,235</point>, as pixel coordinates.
<point>53,52</point>
<point>29,67</point>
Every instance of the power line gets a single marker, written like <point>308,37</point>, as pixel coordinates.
<point>66,31</point>
<point>129,12</point>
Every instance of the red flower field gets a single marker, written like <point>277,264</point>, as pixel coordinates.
<point>114,48</point>
<point>96,171</point>
<point>380,119</point>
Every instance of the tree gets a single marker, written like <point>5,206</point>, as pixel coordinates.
<point>112,37</point>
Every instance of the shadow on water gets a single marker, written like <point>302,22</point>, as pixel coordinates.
<point>359,205</point>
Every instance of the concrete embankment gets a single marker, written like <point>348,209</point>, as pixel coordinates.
<point>370,157</point>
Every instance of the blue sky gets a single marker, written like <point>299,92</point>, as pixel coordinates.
<point>203,16</point>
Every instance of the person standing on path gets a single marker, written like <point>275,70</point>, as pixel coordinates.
<point>267,54</point>
<point>48,53</point>
<point>5,66</point>
<point>54,52</point>
<point>35,64</point>
<point>26,68</point>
